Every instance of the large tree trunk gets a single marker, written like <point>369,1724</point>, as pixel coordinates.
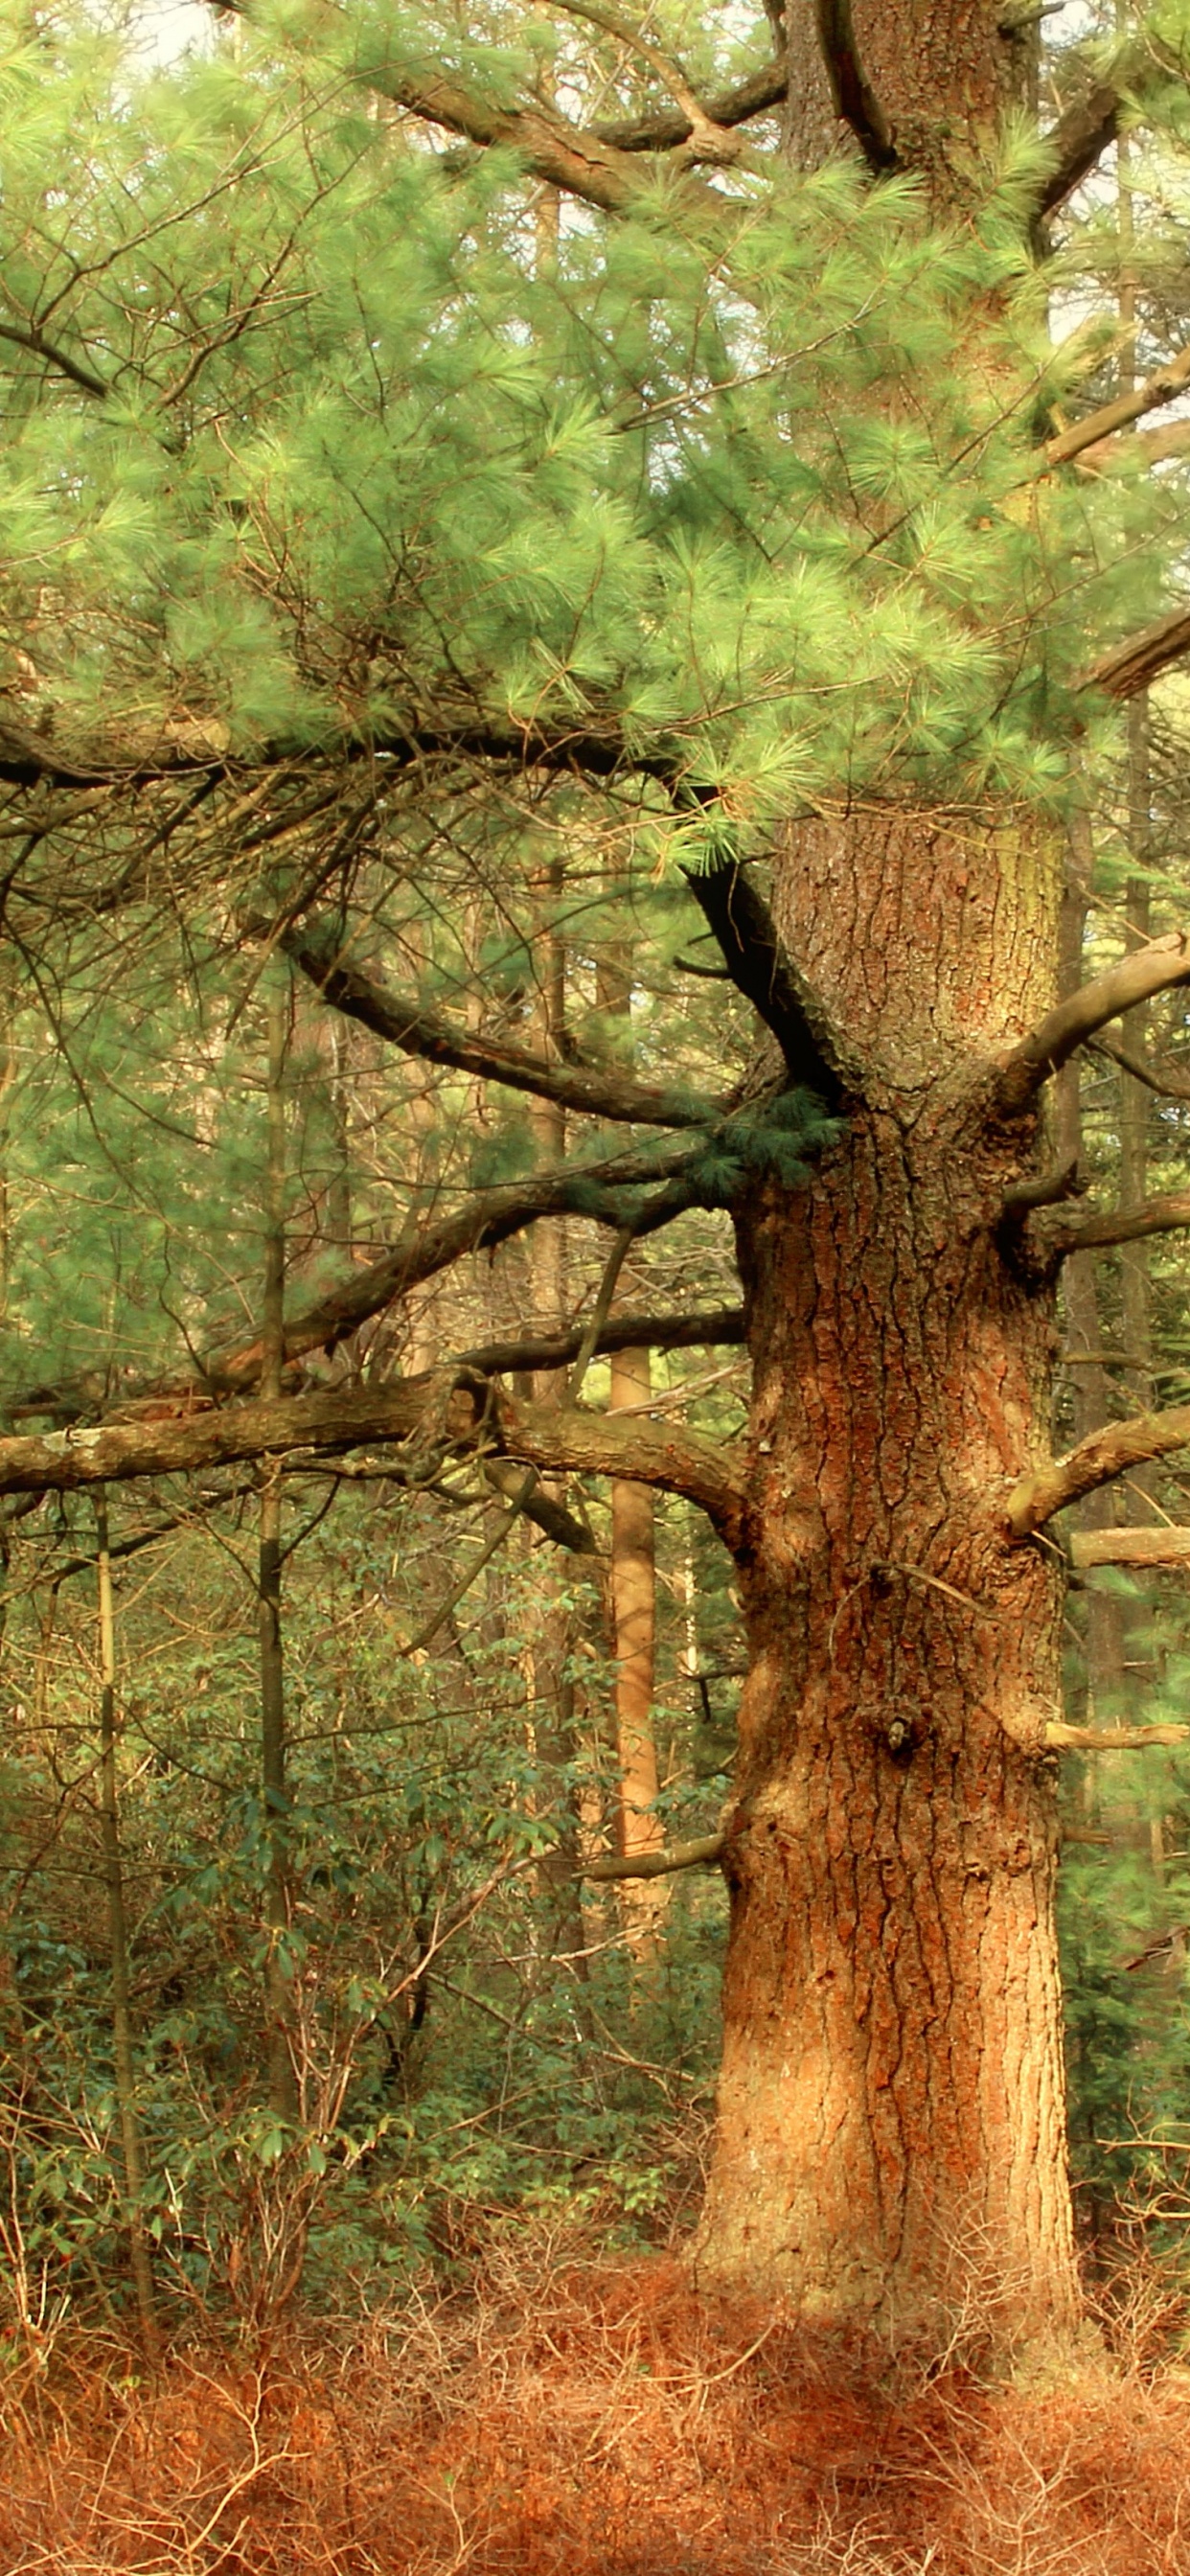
<point>891,2141</point>
<point>891,2114</point>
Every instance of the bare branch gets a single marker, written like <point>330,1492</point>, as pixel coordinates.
<point>571,157</point>
<point>563,1440</point>
<point>854,97</point>
<point>1156,1543</point>
<point>437,1409</point>
<point>550,1516</point>
<point>1157,968</point>
<point>1163,386</point>
<point>724,1325</point>
<point>761,967</point>
<point>1110,1739</point>
<point>1168,1083</point>
<point>1121,1225</point>
<point>138,755</point>
<point>705,1853</point>
<point>1097,1460</point>
<point>1079,139</point>
<point>1042,1189</point>
<point>402,1020</point>
<point>1119,455</point>
<point>668,128</point>
<point>1134,665</point>
<point>58,359</point>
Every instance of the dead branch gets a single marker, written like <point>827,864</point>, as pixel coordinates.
<point>1110,1739</point>
<point>1163,386</point>
<point>1154,969</point>
<point>705,1853</point>
<point>436,1408</point>
<point>1149,1545</point>
<point>1121,1225</point>
<point>722,1325</point>
<point>1096,1461</point>
<point>1134,665</point>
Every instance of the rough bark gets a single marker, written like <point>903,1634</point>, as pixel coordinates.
<point>891,2113</point>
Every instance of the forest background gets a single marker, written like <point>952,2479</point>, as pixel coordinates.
<point>368,1022</point>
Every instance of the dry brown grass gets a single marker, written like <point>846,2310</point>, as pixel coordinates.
<point>575,2417</point>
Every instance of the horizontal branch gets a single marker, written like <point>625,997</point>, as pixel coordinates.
<point>1111,1739</point>
<point>1166,1215</point>
<point>1157,968</point>
<point>1156,1543</point>
<point>855,100</point>
<point>405,1023</point>
<point>438,1410</point>
<point>137,755</point>
<point>573,158</point>
<point>721,1325</point>
<point>1096,1461</point>
<point>1042,1189</point>
<point>761,967</point>
<point>702,1854</point>
<point>667,128</point>
<point>564,1440</point>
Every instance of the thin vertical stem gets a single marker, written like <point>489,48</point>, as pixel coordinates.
<point>278,1997</point>
<point>109,1809</point>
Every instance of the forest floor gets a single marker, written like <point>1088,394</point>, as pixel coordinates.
<point>567,2415</point>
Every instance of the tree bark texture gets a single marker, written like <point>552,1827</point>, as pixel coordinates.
<point>891,2113</point>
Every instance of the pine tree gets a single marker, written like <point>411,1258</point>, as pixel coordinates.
<point>358,561</point>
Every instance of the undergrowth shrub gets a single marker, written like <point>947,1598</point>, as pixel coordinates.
<point>562,2414</point>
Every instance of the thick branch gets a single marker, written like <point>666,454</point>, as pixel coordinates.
<point>854,97</point>
<point>566,156</point>
<point>667,128</point>
<point>1155,969</point>
<point>1135,664</point>
<point>1121,1225</point>
<point>403,1021</point>
<point>723,1324</point>
<point>759,964</point>
<point>1079,139</point>
<point>564,1440</point>
<point>1096,1461</point>
<point>1163,386</point>
<point>435,1409</point>
<point>139,755</point>
<point>1042,1189</point>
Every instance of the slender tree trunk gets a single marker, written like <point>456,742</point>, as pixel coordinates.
<point>550,1656</point>
<point>278,1998</point>
<point>633,1572</point>
<point>1091,1404</point>
<point>122,2050</point>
